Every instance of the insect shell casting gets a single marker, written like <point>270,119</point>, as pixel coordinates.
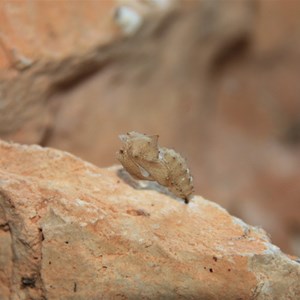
<point>143,159</point>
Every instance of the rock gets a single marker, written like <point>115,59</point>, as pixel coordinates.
<point>229,91</point>
<point>70,230</point>
<point>41,43</point>
<point>47,47</point>
<point>223,99</point>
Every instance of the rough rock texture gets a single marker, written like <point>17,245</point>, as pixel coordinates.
<point>43,43</point>
<point>70,230</point>
<point>227,98</point>
<point>45,47</point>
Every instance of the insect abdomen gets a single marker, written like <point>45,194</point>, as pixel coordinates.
<point>180,179</point>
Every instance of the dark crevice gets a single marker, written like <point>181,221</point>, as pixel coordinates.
<point>233,51</point>
<point>41,282</point>
<point>28,282</point>
<point>79,74</point>
<point>4,227</point>
<point>291,135</point>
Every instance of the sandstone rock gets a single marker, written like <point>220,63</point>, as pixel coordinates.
<point>70,230</point>
<point>227,98</point>
<point>213,99</point>
<point>40,30</point>
<point>42,42</point>
<point>47,46</point>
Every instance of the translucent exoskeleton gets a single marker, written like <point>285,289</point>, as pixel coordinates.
<point>143,159</point>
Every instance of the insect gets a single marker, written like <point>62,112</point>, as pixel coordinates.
<point>143,159</point>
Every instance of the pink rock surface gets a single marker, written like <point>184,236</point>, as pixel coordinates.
<point>70,230</point>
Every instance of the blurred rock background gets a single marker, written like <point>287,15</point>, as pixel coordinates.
<point>217,80</point>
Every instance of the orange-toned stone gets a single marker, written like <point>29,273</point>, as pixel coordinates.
<point>229,103</point>
<point>39,30</point>
<point>76,231</point>
<point>42,44</point>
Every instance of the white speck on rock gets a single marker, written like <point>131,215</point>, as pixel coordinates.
<point>271,249</point>
<point>129,21</point>
<point>92,174</point>
<point>80,202</point>
<point>155,226</point>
